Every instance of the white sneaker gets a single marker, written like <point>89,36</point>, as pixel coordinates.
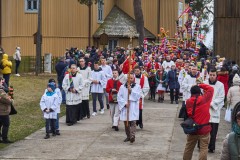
<point>102,111</point>
<point>94,113</point>
<point>18,75</point>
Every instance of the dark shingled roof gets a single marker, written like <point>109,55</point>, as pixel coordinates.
<point>117,23</point>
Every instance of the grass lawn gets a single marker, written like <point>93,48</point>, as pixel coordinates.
<point>27,94</point>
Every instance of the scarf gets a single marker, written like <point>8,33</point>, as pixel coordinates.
<point>71,80</point>
<point>236,128</point>
<point>50,93</point>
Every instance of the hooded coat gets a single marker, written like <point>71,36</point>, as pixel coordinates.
<point>202,115</point>
<point>6,64</point>
<point>224,79</point>
<point>234,92</point>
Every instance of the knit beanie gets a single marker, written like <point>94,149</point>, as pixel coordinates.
<point>195,90</point>
<point>236,80</point>
<point>52,86</point>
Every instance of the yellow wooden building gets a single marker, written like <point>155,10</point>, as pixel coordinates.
<point>65,23</point>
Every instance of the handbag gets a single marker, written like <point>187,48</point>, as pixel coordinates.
<point>228,114</point>
<point>189,125</point>
<point>13,110</point>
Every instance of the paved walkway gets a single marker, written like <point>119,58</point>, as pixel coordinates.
<point>94,139</point>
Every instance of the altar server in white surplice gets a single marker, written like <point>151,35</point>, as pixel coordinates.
<point>132,104</point>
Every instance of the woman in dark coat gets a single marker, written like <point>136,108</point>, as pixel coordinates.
<point>172,80</point>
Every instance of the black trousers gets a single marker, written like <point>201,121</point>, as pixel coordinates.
<point>17,66</point>
<point>140,117</point>
<point>172,94</point>
<point>183,111</point>
<point>50,123</point>
<point>71,113</point>
<point>85,108</point>
<point>79,112</point>
<point>5,123</point>
<point>153,92</point>
<point>213,135</point>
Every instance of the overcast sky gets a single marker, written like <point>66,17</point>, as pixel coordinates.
<point>209,37</point>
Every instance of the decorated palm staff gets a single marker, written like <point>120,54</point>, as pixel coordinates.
<point>129,83</point>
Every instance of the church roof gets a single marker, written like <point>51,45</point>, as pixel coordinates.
<point>118,23</point>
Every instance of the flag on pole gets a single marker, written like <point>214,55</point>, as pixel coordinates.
<point>185,11</point>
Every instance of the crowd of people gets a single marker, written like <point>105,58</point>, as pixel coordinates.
<point>123,79</point>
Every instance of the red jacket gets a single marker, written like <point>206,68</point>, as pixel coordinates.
<point>156,66</point>
<point>224,79</point>
<point>110,86</point>
<point>202,114</point>
<point>126,68</point>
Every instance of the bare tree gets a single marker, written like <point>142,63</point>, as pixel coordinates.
<point>138,13</point>
<point>38,65</point>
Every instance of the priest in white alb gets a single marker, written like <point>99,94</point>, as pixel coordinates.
<point>132,103</point>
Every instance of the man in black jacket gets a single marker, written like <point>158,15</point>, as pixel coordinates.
<point>60,69</point>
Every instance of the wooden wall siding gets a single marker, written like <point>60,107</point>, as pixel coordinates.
<point>168,13</point>
<point>227,42</point>
<point>227,39</point>
<point>65,23</point>
<point>228,8</point>
<point>14,20</point>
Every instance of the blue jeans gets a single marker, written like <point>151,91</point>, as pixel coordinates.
<point>57,122</point>
<point>7,78</point>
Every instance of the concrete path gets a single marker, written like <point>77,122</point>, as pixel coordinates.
<point>94,139</point>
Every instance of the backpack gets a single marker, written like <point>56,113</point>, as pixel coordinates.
<point>189,125</point>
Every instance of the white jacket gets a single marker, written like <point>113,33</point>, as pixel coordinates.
<point>86,73</point>
<point>186,86</point>
<point>17,55</point>
<point>73,98</point>
<point>49,102</point>
<point>167,65</point>
<point>59,94</point>
<point>134,97</point>
<point>182,74</point>
<point>217,101</point>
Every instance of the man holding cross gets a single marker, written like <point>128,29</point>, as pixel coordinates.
<point>129,106</point>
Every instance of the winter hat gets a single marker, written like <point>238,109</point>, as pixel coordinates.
<point>195,90</point>
<point>52,86</point>
<point>236,80</point>
<point>18,48</point>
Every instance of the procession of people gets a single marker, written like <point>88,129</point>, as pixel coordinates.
<point>125,78</point>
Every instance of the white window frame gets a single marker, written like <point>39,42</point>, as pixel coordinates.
<point>100,9</point>
<point>27,10</point>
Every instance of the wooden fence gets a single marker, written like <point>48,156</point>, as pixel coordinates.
<point>28,64</point>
